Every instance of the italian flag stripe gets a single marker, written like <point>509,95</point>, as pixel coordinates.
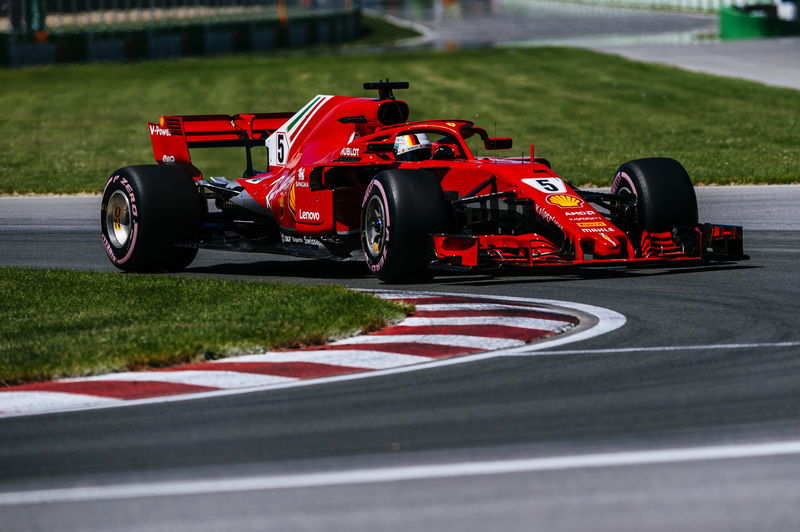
<point>302,113</point>
<point>304,120</point>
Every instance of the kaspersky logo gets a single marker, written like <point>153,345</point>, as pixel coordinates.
<point>564,200</point>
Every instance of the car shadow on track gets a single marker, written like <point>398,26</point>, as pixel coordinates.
<point>563,274</point>
<point>357,271</point>
<point>316,269</point>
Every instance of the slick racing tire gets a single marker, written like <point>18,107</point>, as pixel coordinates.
<point>145,211</point>
<point>401,208</point>
<point>663,193</point>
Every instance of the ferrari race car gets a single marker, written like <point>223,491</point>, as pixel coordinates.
<point>351,178</point>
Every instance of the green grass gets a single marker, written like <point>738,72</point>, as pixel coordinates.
<point>62,323</point>
<point>65,128</point>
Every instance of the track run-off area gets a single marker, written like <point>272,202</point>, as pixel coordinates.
<point>685,417</point>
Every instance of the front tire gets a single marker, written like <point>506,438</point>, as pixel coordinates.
<point>146,210</point>
<point>659,195</point>
<point>401,208</point>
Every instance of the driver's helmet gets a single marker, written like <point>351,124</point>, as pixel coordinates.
<point>412,147</point>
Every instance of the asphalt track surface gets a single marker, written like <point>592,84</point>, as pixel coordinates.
<point>770,61</point>
<point>482,23</point>
<point>679,39</point>
<point>685,418</point>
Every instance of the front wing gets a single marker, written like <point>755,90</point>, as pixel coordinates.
<point>708,242</point>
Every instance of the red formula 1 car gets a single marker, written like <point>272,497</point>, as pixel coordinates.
<point>350,178</point>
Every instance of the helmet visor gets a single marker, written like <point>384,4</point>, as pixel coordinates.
<point>419,153</point>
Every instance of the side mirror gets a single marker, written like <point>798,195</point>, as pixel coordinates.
<point>498,143</point>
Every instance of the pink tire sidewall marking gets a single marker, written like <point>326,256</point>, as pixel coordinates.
<point>618,181</point>
<point>386,226</point>
<point>134,213</point>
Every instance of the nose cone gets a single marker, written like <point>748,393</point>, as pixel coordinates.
<point>607,246</point>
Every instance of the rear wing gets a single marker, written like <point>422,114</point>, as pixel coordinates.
<point>172,136</point>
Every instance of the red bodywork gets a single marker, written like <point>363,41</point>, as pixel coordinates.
<point>319,160</point>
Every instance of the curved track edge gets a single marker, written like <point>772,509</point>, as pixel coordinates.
<point>448,328</point>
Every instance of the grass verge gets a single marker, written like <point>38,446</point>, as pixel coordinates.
<point>66,127</point>
<point>64,323</point>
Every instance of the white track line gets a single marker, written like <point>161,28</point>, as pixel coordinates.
<point>14,402</point>
<point>398,474</point>
<point>212,379</point>
<point>338,357</point>
<point>486,306</point>
<point>478,342</point>
<point>508,321</point>
<point>621,350</point>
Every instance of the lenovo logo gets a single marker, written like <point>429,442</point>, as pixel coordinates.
<point>307,215</point>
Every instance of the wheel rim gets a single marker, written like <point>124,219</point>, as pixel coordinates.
<point>118,219</point>
<point>374,227</point>
<point>629,215</point>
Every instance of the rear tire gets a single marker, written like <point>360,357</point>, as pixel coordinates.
<point>400,209</point>
<point>663,192</point>
<point>145,211</point>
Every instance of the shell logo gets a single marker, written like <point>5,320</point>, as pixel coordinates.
<point>564,200</point>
